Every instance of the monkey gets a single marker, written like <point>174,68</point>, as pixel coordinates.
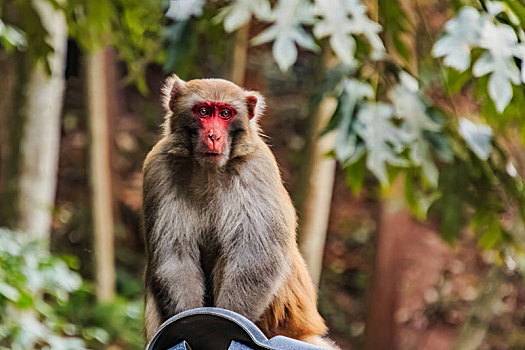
<point>219,225</point>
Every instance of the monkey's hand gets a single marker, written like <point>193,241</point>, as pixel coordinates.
<point>180,285</point>
<point>172,286</point>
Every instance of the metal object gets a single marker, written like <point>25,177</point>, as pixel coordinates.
<point>211,328</point>
<point>181,346</point>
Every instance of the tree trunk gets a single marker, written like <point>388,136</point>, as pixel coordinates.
<point>11,127</point>
<point>100,173</point>
<point>316,190</point>
<point>394,221</point>
<point>41,136</point>
<point>409,259</point>
<point>240,54</point>
<point>395,225</point>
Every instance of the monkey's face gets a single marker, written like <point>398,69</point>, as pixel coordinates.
<point>216,118</point>
<point>213,141</point>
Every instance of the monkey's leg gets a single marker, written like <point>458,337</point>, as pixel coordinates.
<point>251,278</point>
<point>321,342</point>
<point>152,318</point>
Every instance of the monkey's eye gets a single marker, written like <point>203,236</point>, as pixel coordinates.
<point>203,112</point>
<point>226,114</point>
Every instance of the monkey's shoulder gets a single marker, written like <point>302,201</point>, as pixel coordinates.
<point>158,152</point>
<point>262,167</point>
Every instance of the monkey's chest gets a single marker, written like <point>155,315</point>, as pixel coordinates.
<point>209,259</point>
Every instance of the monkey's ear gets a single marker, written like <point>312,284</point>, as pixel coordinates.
<point>255,104</point>
<point>171,91</point>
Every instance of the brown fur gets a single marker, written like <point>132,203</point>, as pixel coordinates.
<point>223,234</point>
<point>293,311</point>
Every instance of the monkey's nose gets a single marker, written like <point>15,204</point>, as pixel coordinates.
<point>214,137</point>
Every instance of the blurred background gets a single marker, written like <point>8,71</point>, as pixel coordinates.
<point>397,126</point>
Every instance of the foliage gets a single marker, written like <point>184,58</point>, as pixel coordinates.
<point>454,166</point>
<point>398,134</point>
<point>32,284</point>
<point>339,20</point>
<point>16,31</point>
<point>180,10</point>
<point>399,129</point>
<point>240,12</point>
<point>287,31</point>
<point>116,322</point>
<point>12,37</point>
<point>186,40</point>
<point>132,27</point>
<point>395,26</point>
<point>477,137</point>
<point>388,122</point>
<point>500,46</point>
<point>44,304</point>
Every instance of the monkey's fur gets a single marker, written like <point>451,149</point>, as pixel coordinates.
<point>223,234</point>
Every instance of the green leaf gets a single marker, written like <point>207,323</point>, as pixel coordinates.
<point>462,33</point>
<point>96,333</point>
<point>477,136</point>
<point>25,301</point>
<point>441,144</point>
<point>35,34</point>
<point>456,80</point>
<point>241,11</point>
<point>395,23</point>
<point>287,31</point>
<point>340,20</point>
<point>410,107</point>
<point>355,175</point>
<point>501,44</point>
<point>518,8</point>
<point>31,279</point>
<point>12,37</point>
<point>384,141</point>
<point>182,10</point>
<point>469,30</point>
<point>453,184</point>
<point>418,200</point>
<point>284,51</point>
<point>491,235</point>
<point>9,292</point>
<point>347,147</point>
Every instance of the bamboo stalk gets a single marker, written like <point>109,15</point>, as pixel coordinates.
<point>100,171</point>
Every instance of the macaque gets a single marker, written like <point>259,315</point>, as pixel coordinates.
<point>219,225</point>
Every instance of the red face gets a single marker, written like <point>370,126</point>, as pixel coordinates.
<point>215,117</point>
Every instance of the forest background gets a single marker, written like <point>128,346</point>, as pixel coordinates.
<point>396,123</point>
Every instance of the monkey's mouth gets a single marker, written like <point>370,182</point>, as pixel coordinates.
<point>212,155</point>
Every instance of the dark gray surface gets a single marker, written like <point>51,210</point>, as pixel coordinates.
<point>211,328</point>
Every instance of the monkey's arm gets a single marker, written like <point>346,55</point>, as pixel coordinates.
<point>173,275</point>
<point>173,284</point>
